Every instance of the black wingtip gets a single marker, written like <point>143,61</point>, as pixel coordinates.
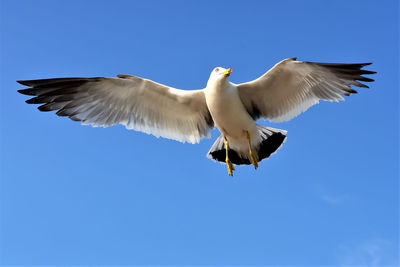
<point>63,113</point>
<point>24,82</point>
<point>367,72</point>
<point>28,91</point>
<point>74,118</point>
<point>365,79</point>
<point>44,108</point>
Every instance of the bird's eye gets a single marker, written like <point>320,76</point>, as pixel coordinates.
<point>216,69</point>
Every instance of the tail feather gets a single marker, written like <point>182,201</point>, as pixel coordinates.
<point>272,142</point>
<point>272,139</point>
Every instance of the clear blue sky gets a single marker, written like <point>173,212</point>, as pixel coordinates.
<point>73,194</point>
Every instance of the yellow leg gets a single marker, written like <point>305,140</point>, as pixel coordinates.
<point>253,158</point>
<point>228,162</point>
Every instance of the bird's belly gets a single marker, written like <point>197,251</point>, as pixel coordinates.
<point>232,119</point>
<point>232,123</point>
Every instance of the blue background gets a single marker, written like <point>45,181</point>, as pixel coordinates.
<point>73,194</point>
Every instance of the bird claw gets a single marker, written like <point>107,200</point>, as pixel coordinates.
<point>253,160</point>
<point>230,166</point>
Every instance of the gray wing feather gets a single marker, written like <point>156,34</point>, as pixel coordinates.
<point>291,87</point>
<point>137,103</point>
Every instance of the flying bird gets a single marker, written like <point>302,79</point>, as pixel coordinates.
<point>282,93</point>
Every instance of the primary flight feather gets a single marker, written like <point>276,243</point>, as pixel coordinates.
<point>286,90</point>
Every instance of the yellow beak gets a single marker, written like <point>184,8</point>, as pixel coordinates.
<point>228,71</point>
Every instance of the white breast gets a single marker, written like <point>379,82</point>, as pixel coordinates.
<point>230,115</point>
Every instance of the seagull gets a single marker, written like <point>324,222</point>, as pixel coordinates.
<point>282,93</point>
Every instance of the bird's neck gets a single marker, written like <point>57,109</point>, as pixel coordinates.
<point>218,84</point>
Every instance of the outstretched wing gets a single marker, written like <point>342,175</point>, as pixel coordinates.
<point>137,103</point>
<point>291,87</point>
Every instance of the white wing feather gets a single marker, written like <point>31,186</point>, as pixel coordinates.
<point>291,87</point>
<point>137,103</point>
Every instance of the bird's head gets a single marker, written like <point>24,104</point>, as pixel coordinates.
<point>220,74</point>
